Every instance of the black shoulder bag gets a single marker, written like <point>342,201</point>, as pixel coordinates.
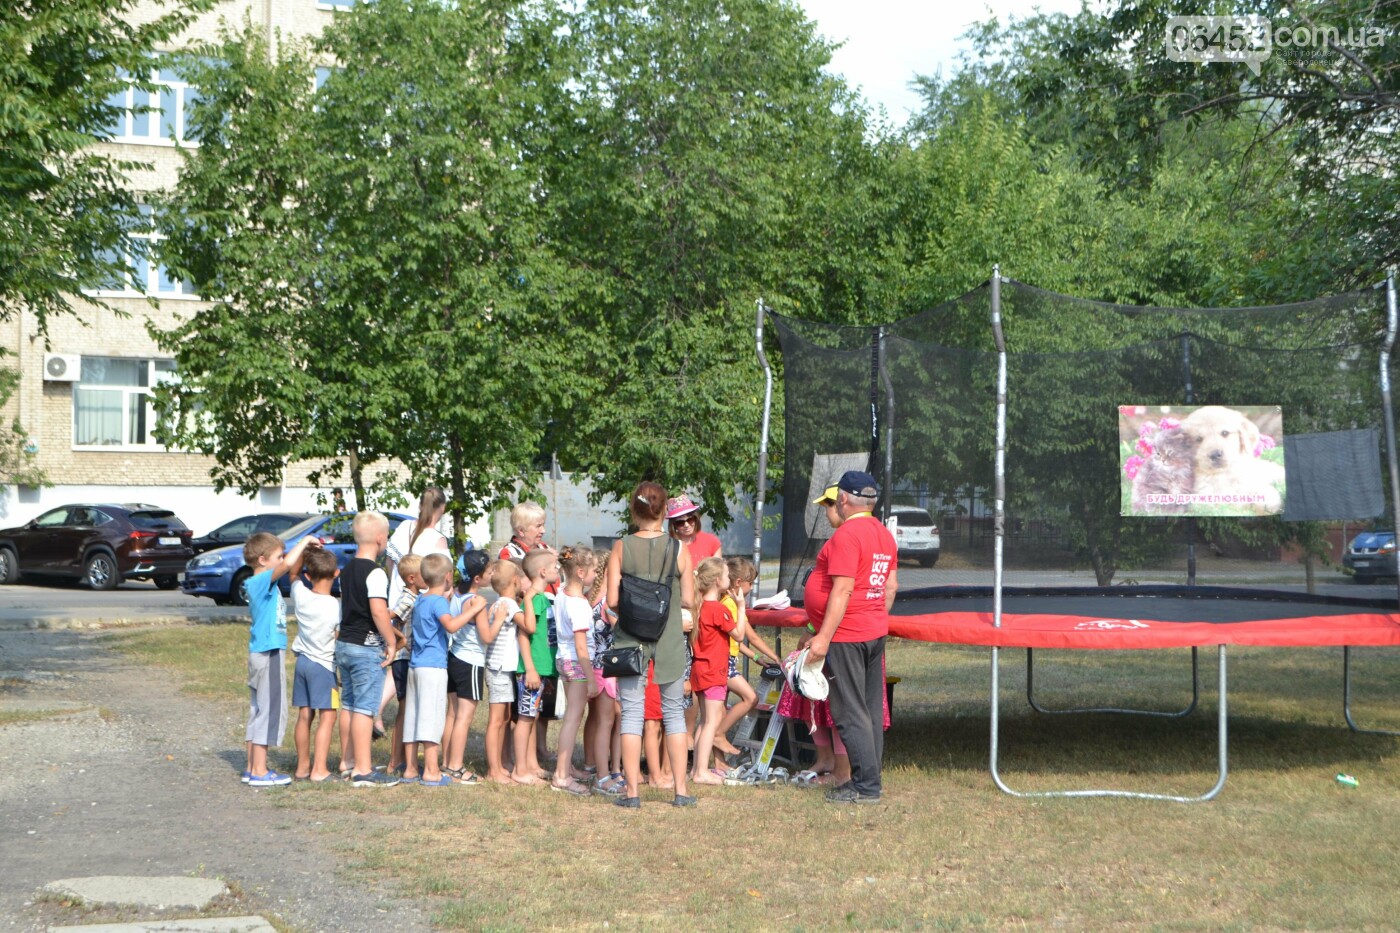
<point>644,605</point>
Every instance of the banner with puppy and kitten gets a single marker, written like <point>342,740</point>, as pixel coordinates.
<point>1207,460</point>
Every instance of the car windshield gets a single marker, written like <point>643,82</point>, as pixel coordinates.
<point>154,519</point>
<point>914,519</point>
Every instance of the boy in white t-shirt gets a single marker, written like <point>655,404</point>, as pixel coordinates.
<point>502,657</point>
<point>313,686</point>
<point>466,664</point>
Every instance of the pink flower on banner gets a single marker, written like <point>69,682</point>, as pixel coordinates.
<point>1167,423</point>
<point>1265,443</point>
<point>1132,465</point>
<point>1147,429</point>
<point>1144,447</point>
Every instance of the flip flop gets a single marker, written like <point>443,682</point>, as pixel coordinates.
<point>806,778</point>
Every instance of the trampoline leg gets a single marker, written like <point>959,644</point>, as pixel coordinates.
<point>1171,714</point>
<point>1222,734</point>
<point>1346,698</point>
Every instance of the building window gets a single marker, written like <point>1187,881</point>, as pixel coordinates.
<point>113,403</point>
<point>143,274</point>
<point>155,115</point>
<point>334,4</point>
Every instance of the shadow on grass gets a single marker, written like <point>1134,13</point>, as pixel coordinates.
<point>1095,743</point>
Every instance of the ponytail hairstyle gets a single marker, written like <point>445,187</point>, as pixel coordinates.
<point>708,574</point>
<point>575,559</point>
<point>432,499</point>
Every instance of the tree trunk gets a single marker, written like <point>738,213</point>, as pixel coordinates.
<point>1103,570</point>
<point>457,502</point>
<point>357,478</point>
<point>1310,571</point>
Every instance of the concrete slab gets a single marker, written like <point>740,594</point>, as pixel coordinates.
<point>208,925</point>
<point>137,891</point>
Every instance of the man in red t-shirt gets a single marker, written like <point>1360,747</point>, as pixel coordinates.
<point>848,599</point>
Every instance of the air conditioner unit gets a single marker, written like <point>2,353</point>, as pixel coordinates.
<point>62,367</point>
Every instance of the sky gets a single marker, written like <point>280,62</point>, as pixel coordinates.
<point>888,42</point>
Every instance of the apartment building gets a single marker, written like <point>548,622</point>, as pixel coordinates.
<point>85,396</point>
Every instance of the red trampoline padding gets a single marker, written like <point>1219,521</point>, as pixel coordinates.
<point>1035,630</point>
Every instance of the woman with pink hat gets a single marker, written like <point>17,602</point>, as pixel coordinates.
<point>683,517</point>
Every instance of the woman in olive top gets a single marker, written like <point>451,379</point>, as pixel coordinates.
<point>647,554</point>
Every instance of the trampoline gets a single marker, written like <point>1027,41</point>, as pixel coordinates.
<point>932,407</point>
<point>1135,618</point>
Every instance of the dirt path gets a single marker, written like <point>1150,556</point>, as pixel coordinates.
<point>141,780</point>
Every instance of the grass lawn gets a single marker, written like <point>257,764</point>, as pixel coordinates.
<point>1284,847</point>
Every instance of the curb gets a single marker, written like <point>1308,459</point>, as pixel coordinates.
<point>69,623</point>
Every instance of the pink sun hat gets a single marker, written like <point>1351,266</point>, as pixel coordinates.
<point>680,505</point>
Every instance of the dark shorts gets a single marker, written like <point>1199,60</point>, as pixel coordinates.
<point>733,665</point>
<point>400,669</point>
<point>466,680</point>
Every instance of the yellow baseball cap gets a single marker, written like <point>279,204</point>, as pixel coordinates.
<point>828,497</point>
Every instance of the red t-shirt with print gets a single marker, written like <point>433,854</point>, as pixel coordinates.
<point>711,665</point>
<point>864,550</point>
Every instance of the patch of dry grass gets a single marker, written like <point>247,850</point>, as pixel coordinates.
<point>1283,847</point>
<point>10,717</point>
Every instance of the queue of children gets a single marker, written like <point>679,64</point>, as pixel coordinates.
<point>510,632</point>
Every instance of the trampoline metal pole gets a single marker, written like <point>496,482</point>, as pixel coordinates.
<point>762,485</point>
<point>887,479</point>
<point>999,499</point>
<point>1190,400</point>
<point>1000,492</point>
<point>1387,405</point>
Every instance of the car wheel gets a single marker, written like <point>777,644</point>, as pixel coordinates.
<point>928,560</point>
<point>238,589</point>
<point>167,581</point>
<point>9,566</point>
<point>100,571</point>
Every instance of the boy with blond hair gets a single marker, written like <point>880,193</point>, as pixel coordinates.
<point>267,646</point>
<point>313,683</point>
<point>366,642</point>
<point>425,710</point>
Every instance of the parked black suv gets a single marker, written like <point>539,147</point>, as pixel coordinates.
<point>100,544</point>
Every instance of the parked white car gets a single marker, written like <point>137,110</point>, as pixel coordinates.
<point>915,533</point>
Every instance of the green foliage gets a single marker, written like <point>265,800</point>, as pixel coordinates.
<point>709,162</point>
<point>1321,118</point>
<point>391,289</point>
<point>65,215</point>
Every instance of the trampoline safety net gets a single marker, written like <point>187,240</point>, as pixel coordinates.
<point>915,402</point>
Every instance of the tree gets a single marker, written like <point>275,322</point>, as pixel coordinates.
<point>709,161</point>
<point>66,214</point>
<point>390,287</point>
<point>1320,112</point>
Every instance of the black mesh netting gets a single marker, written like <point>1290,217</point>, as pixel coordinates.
<point>920,394</point>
